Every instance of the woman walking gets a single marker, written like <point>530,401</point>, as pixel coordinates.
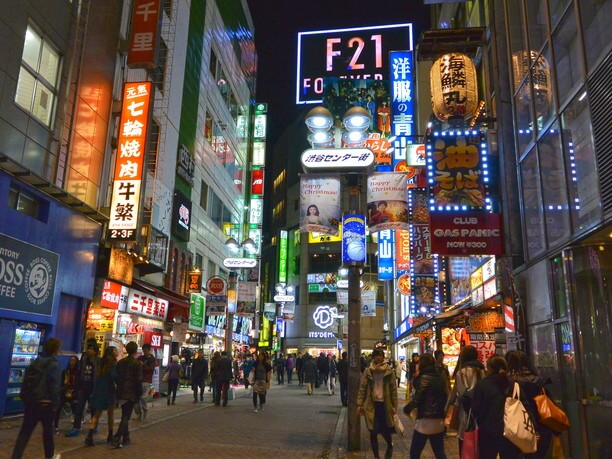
<point>429,400</point>
<point>68,389</point>
<point>261,380</point>
<point>488,410</point>
<point>103,395</point>
<point>377,401</point>
<point>333,371</point>
<point>173,379</point>
<point>467,373</point>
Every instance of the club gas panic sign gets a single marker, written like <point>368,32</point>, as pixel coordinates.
<point>360,53</point>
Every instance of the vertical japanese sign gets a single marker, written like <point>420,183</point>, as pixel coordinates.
<point>319,203</point>
<point>387,203</point>
<point>402,101</point>
<point>282,256</point>
<point>128,174</point>
<point>458,173</point>
<point>353,239</point>
<point>143,39</point>
<point>385,254</point>
<point>196,312</point>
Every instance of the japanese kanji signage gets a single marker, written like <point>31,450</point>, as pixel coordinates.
<point>337,159</point>
<point>196,312</point>
<point>454,89</point>
<point>385,254</point>
<point>181,216</point>
<point>114,295</point>
<point>466,233</point>
<point>143,39</point>
<point>387,201</point>
<point>100,320</point>
<point>458,173</point>
<point>402,93</point>
<point>194,281</point>
<point>257,182</point>
<point>128,174</point>
<point>319,203</point>
<point>282,256</point>
<point>144,304</point>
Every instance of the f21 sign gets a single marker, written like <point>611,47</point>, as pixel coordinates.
<point>360,53</point>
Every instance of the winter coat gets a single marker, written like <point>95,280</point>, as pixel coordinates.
<point>103,394</point>
<point>149,367</point>
<point>85,380</point>
<point>488,406</point>
<point>129,379</point>
<point>466,379</point>
<point>173,371</point>
<point>279,365</point>
<point>323,364</point>
<point>365,397</point>
<point>430,395</point>
<point>342,367</point>
<point>310,371</point>
<point>290,364</point>
<point>199,370</point>
<point>224,369</point>
<point>399,369</point>
<point>52,374</point>
<point>260,386</point>
<point>333,368</point>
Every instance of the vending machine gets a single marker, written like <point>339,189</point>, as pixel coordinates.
<point>25,350</point>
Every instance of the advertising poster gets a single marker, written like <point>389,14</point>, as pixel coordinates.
<point>458,173</point>
<point>215,305</point>
<point>100,320</point>
<point>385,254</point>
<point>270,311</point>
<point>459,269</point>
<point>342,301</point>
<point>247,292</point>
<point>288,311</point>
<point>387,201</point>
<point>466,234</point>
<point>354,248</point>
<point>196,312</point>
<point>319,203</point>
<point>368,303</point>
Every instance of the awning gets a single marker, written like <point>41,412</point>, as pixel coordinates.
<point>173,298</point>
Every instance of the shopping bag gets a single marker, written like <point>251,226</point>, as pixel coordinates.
<point>550,414</point>
<point>469,447</point>
<point>252,376</point>
<point>166,377</point>
<point>397,423</point>
<point>231,395</point>
<point>451,420</point>
<point>518,425</point>
<point>556,448</point>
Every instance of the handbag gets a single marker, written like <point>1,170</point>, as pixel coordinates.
<point>397,423</point>
<point>166,377</point>
<point>251,376</point>
<point>469,447</point>
<point>550,414</point>
<point>556,448</point>
<point>518,425</point>
<point>451,420</point>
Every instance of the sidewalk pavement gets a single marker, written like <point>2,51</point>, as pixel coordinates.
<point>292,423</point>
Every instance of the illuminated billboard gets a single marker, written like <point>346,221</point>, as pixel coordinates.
<point>357,53</point>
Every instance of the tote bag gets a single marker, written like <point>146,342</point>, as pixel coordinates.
<point>518,425</point>
<point>550,414</point>
<point>469,447</point>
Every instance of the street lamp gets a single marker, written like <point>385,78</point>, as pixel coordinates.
<point>248,245</point>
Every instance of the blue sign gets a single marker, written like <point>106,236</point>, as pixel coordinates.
<point>402,93</point>
<point>386,249</point>
<point>354,248</point>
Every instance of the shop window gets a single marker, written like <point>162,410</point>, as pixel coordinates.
<point>536,23</point>
<point>596,31</point>
<point>534,282</point>
<point>568,65</point>
<point>532,207</point>
<point>38,77</point>
<point>199,260</point>
<point>543,349</point>
<point>204,196</point>
<point>212,269</point>
<point>28,204</point>
<point>208,127</point>
<point>581,166</point>
<point>554,187</point>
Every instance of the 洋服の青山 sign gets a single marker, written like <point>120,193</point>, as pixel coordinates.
<point>466,234</point>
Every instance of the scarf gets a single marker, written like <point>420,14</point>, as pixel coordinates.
<point>378,373</point>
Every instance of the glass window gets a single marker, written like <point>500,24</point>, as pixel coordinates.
<point>597,33</point>
<point>544,354</point>
<point>213,65</point>
<point>568,65</point>
<point>543,88</point>
<point>38,75</point>
<point>558,276</point>
<point>581,166</point>
<point>532,198</point>
<point>554,189</point>
<point>524,117</point>
<point>557,8</point>
<point>515,24</point>
<point>204,196</point>
<point>536,23</point>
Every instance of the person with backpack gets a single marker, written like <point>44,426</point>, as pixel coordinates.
<point>129,390</point>
<point>85,383</point>
<point>40,392</point>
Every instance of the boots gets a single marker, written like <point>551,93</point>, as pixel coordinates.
<point>89,439</point>
<point>109,439</point>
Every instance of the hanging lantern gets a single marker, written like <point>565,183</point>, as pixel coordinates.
<point>540,78</point>
<point>454,90</point>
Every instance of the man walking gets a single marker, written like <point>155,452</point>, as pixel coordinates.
<point>322,368</point>
<point>342,367</point>
<point>310,373</point>
<point>279,366</point>
<point>199,374</point>
<point>299,368</point>
<point>84,384</point>
<point>40,393</point>
<point>224,376</point>
<point>149,363</point>
<point>290,366</point>
<point>129,390</point>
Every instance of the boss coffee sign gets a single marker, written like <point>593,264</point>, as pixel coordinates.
<point>27,277</point>
<point>360,53</point>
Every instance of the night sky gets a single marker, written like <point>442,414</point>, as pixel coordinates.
<point>277,23</point>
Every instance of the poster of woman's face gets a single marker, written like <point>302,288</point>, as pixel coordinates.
<point>319,203</point>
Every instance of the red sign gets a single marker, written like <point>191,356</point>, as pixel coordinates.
<point>466,234</point>
<point>402,250</point>
<point>257,182</point>
<point>154,339</point>
<point>111,295</point>
<point>143,39</point>
<point>215,285</point>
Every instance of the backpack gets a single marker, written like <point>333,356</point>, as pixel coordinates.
<point>34,385</point>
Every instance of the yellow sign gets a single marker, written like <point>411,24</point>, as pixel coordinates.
<point>320,238</point>
<point>476,278</point>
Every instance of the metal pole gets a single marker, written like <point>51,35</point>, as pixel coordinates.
<point>354,332</point>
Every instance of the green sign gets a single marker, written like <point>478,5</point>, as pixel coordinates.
<point>196,312</point>
<point>282,257</point>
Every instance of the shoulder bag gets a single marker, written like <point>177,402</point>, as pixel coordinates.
<point>550,414</point>
<point>518,426</point>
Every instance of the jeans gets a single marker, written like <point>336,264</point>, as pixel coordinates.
<point>344,393</point>
<point>289,375</point>
<point>222,390</point>
<point>33,414</point>
<point>82,399</point>
<point>58,412</point>
<point>419,441</point>
<point>300,374</point>
<point>123,432</point>
<point>262,399</point>
<point>331,386</point>
<point>280,377</point>
<point>198,386</point>
<point>172,388</point>
<point>141,407</point>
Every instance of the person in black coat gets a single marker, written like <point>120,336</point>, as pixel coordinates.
<point>199,374</point>
<point>488,406</point>
<point>299,368</point>
<point>322,368</point>
<point>343,367</point>
<point>224,376</point>
<point>429,400</point>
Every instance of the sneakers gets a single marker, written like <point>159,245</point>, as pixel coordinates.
<point>73,433</point>
<point>255,410</point>
<point>261,408</point>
